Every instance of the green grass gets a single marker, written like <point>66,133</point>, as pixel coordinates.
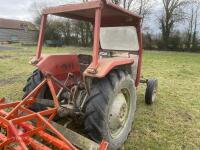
<point>173,122</point>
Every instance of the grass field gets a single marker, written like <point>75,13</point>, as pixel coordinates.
<point>172,123</point>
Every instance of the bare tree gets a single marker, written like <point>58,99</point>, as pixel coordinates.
<point>193,18</point>
<point>172,13</point>
<point>141,7</point>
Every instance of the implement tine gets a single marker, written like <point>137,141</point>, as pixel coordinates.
<point>18,138</point>
<point>56,132</point>
<point>35,144</point>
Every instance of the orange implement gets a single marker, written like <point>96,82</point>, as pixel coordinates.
<point>18,132</point>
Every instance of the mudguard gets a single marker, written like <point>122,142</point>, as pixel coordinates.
<point>106,65</point>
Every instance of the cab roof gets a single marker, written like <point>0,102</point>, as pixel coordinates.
<point>112,15</point>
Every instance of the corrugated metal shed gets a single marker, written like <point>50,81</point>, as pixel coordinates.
<point>16,24</point>
<point>17,31</point>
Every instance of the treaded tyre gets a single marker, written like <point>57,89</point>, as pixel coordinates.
<point>151,91</point>
<point>32,82</point>
<point>110,109</point>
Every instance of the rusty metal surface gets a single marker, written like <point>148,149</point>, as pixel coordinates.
<point>96,38</point>
<point>59,10</point>
<point>112,15</point>
<point>107,64</point>
<point>139,69</point>
<point>59,65</point>
<point>41,36</point>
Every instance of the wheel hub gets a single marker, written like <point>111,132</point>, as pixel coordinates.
<point>118,114</point>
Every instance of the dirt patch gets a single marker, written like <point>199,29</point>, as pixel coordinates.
<point>4,82</point>
<point>5,56</point>
<point>9,80</point>
<point>185,116</point>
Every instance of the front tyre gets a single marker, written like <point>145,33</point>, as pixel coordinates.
<point>151,91</point>
<point>110,109</point>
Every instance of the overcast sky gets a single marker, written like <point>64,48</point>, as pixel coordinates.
<point>23,9</point>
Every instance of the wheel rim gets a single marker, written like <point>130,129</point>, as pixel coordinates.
<point>118,113</point>
<point>154,94</point>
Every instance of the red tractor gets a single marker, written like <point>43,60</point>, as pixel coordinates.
<point>98,90</point>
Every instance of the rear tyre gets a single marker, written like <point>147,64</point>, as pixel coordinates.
<point>151,91</point>
<point>32,82</point>
<point>110,109</point>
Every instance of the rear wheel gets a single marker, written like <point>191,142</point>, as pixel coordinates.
<point>32,82</point>
<point>110,109</point>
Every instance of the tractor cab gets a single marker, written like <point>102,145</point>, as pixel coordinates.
<point>116,38</point>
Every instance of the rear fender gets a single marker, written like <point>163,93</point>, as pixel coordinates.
<point>106,65</point>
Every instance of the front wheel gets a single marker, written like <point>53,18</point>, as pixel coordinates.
<point>151,91</point>
<point>110,109</point>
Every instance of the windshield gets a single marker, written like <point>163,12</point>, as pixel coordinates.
<point>119,38</point>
